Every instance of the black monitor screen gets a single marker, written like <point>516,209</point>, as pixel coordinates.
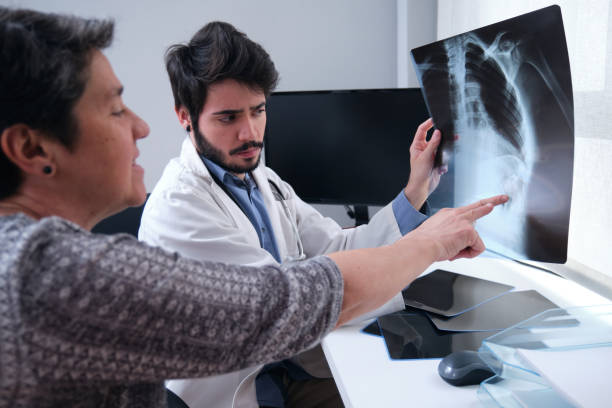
<point>343,147</point>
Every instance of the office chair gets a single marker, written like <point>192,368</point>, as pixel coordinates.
<point>174,401</point>
<point>127,221</point>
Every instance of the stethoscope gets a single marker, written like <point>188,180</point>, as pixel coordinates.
<point>278,195</point>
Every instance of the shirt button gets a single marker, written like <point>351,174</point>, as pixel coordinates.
<point>263,229</point>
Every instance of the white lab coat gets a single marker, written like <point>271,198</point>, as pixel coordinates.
<point>189,213</point>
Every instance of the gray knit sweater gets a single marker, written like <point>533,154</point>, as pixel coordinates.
<point>90,320</point>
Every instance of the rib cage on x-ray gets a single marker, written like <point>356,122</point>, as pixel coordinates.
<point>489,120</point>
<point>489,92</point>
<point>494,105</point>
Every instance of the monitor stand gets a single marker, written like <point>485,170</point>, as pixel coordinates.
<point>361,215</point>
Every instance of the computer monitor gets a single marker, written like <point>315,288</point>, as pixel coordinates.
<point>347,147</point>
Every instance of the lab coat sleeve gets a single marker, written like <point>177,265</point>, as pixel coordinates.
<point>322,235</point>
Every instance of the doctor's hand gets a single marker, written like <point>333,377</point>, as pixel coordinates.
<point>452,229</point>
<point>424,178</point>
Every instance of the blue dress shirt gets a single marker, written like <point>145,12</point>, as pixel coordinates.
<point>407,217</point>
<point>250,200</point>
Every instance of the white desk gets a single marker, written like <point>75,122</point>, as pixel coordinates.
<point>367,377</point>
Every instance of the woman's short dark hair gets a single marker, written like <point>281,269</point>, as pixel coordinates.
<point>216,52</point>
<point>44,60</point>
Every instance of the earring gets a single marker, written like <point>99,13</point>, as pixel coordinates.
<point>188,128</point>
<point>47,169</point>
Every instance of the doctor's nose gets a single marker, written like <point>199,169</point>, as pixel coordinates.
<point>248,131</point>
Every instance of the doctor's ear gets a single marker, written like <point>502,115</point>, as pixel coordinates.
<point>184,118</point>
<point>28,149</point>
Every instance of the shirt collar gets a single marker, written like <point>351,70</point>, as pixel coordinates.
<point>226,177</point>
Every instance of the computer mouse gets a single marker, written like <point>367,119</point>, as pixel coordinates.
<point>464,368</point>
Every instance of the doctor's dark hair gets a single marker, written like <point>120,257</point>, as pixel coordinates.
<point>216,52</point>
<point>44,61</point>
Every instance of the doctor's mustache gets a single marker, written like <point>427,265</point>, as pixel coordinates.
<point>246,146</point>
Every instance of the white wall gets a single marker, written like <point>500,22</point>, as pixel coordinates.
<point>315,44</point>
<point>417,22</point>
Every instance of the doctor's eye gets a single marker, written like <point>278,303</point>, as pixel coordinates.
<point>227,118</point>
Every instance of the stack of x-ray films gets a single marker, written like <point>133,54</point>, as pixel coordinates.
<point>448,312</point>
<point>559,358</point>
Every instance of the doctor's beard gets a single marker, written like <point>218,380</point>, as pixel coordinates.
<point>215,155</point>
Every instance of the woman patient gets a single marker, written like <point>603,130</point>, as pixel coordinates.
<point>94,320</point>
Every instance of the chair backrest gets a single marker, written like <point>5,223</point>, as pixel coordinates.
<point>174,401</point>
<point>127,221</point>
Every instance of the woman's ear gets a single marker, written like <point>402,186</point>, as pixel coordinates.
<point>28,149</point>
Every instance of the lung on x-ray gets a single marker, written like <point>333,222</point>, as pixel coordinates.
<point>505,90</point>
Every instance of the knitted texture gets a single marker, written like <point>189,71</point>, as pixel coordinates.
<point>91,320</point>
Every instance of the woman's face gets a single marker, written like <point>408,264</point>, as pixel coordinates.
<point>100,170</point>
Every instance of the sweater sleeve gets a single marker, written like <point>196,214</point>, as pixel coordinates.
<point>114,309</point>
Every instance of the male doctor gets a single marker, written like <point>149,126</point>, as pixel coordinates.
<point>217,202</point>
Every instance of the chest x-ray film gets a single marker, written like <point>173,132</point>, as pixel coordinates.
<point>505,90</point>
<point>498,314</point>
<point>449,293</point>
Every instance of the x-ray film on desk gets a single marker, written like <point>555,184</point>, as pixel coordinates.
<point>505,90</point>
<point>414,333</point>
<point>498,314</point>
<point>410,334</point>
<point>448,293</point>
